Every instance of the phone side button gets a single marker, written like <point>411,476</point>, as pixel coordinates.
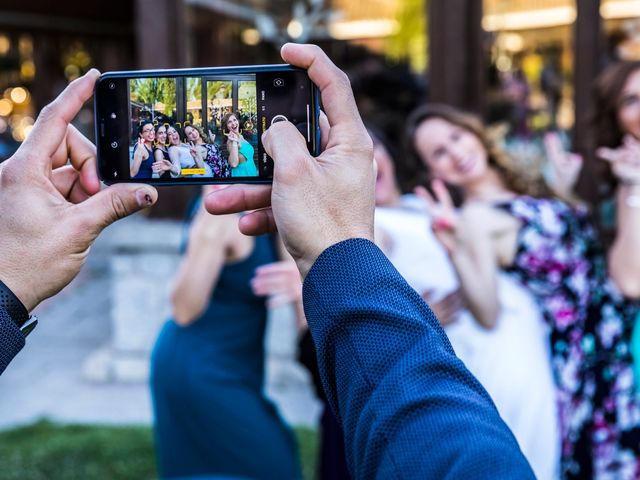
<point>102,129</point>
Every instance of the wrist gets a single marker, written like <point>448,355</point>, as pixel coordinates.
<point>16,309</point>
<point>306,262</point>
<point>23,293</point>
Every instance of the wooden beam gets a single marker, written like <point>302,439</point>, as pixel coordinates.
<point>161,33</point>
<point>456,57</point>
<point>588,47</point>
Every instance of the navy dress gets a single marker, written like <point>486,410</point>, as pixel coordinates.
<point>211,417</point>
<point>145,170</point>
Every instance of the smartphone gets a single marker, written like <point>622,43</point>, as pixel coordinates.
<point>198,126</point>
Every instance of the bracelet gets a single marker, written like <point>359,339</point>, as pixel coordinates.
<point>632,201</point>
<point>16,310</point>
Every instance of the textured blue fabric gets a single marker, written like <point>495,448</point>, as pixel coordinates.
<point>11,339</point>
<point>407,405</point>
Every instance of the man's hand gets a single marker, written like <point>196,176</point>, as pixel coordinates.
<point>313,202</point>
<point>50,212</point>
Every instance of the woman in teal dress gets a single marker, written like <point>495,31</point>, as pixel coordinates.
<point>240,151</point>
<point>207,369</point>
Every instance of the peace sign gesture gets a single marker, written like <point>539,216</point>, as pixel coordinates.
<point>565,166</point>
<point>446,220</point>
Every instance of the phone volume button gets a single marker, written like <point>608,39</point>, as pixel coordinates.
<point>102,129</point>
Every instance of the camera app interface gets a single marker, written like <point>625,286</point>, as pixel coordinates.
<point>210,126</point>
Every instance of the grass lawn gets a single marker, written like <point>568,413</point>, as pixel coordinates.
<point>48,451</point>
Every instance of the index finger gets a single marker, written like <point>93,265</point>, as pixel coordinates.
<point>609,154</point>
<point>424,194</point>
<point>238,198</point>
<point>442,194</point>
<point>82,154</point>
<point>335,88</point>
<point>553,144</point>
<point>51,126</point>
<point>276,267</point>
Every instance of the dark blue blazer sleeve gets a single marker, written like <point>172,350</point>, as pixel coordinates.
<point>407,405</point>
<point>11,339</point>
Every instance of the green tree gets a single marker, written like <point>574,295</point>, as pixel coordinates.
<point>150,91</point>
<point>409,43</point>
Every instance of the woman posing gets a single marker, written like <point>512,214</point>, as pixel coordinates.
<point>207,151</point>
<point>162,165</point>
<point>552,250</point>
<point>142,159</point>
<point>240,151</point>
<point>211,416</point>
<point>510,360</point>
<point>185,157</point>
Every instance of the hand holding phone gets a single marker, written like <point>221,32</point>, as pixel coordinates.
<point>133,110</point>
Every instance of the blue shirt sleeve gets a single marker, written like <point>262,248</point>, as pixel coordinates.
<point>407,405</point>
<point>11,339</point>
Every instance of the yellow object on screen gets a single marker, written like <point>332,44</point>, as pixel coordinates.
<point>192,171</point>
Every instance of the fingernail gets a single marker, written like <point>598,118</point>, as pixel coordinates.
<point>144,198</point>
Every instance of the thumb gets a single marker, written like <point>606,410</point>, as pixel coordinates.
<point>285,144</point>
<point>114,203</point>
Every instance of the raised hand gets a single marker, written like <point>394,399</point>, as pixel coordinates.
<point>565,166</point>
<point>315,202</point>
<point>445,219</point>
<point>625,160</point>
<point>161,166</point>
<point>447,308</point>
<point>52,212</point>
<point>279,281</point>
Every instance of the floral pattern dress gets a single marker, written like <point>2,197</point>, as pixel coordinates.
<point>219,166</point>
<point>560,261</point>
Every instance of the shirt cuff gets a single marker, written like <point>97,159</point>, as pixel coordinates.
<point>11,339</point>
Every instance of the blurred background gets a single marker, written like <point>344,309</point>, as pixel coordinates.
<point>79,390</point>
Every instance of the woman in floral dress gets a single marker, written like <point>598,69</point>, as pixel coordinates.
<point>208,151</point>
<point>551,249</point>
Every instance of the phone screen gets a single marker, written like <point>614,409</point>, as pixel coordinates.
<point>198,126</point>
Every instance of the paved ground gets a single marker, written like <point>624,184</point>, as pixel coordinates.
<point>47,379</point>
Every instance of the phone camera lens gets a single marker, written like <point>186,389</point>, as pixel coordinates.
<point>114,144</point>
<point>113,115</point>
<point>112,86</point>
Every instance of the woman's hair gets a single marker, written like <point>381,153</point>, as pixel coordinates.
<point>178,128</point>
<point>205,138</point>
<point>597,184</point>
<point>607,92</point>
<point>518,180</point>
<point>402,176</point>
<point>225,120</point>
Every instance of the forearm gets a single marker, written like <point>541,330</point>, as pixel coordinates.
<point>195,282</point>
<point>199,161</point>
<point>135,166</point>
<point>406,404</point>
<point>176,168</point>
<point>187,303</point>
<point>233,154</point>
<point>624,256</point>
<point>479,291</point>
